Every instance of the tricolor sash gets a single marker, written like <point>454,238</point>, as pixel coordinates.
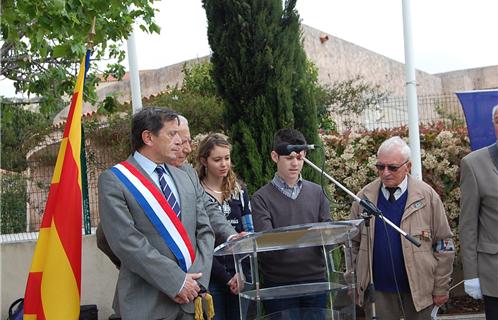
<point>159,212</point>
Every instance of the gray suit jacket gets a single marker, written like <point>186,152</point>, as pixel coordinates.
<point>150,277</point>
<point>479,219</point>
<point>220,225</point>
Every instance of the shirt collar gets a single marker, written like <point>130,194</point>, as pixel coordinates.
<point>148,165</point>
<point>285,189</point>
<point>281,182</point>
<point>401,189</point>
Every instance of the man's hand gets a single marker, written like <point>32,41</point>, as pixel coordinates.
<point>237,236</point>
<point>439,300</point>
<point>473,288</point>
<point>234,284</point>
<point>190,289</point>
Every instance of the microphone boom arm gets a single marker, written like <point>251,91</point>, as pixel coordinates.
<point>366,204</point>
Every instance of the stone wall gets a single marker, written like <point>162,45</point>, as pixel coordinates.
<point>339,60</point>
<point>470,79</point>
<point>336,59</point>
<point>152,82</point>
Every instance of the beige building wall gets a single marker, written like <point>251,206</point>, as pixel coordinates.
<point>336,59</point>
<point>340,60</point>
<point>469,79</point>
<point>98,281</point>
<point>152,82</point>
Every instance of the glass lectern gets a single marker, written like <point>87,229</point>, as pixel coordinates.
<point>335,240</point>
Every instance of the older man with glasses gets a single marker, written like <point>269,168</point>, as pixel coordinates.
<point>408,280</point>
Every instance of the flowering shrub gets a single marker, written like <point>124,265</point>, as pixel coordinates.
<point>351,159</point>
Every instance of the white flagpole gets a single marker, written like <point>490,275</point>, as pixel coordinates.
<point>411,93</point>
<point>136,95</point>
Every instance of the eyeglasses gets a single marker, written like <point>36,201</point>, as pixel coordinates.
<point>390,167</point>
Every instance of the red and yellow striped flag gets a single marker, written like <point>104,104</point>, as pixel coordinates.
<point>53,289</point>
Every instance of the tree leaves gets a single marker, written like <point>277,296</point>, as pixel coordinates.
<point>260,72</point>
<point>44,41</point>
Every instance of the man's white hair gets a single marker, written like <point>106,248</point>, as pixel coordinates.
<point>395,144</point>
<point>495,108</point>
<point>182,119</point>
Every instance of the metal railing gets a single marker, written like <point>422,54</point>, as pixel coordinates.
<point>393,113</point>
<point>27,192</point>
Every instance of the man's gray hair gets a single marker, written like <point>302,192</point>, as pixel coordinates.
<point>395,143</point>
<point>182,119</point>
<point>495,108</point>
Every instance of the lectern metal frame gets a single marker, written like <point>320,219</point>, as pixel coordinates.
<point>326,234</point>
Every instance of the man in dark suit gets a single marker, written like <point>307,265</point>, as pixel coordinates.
<point>166,256</point>
<point>478,223</point>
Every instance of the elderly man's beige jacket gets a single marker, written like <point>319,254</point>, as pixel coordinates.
<point>429,267</point>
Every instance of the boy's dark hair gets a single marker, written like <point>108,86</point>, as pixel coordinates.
<point>151,119</point>
<point>287,136</point>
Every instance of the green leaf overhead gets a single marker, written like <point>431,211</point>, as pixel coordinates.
<point>44,41</point>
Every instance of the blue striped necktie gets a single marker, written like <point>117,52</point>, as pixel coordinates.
<point>168,193</point>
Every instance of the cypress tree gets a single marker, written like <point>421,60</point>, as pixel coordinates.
<point>260,71</point>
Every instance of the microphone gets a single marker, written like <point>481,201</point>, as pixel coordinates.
<point>286,149</point>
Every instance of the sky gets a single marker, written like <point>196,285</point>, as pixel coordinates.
<point>447,34</point>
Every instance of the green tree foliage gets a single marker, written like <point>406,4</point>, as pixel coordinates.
<point>198,79</point>
<point>13,204</point>
<point>350,98</point>
<point>112,139</point>
<point>262,75</point>
<point>354,95</point>
<point>44,41</point>
<point>20,131</point>
<point>203,113</point>
<point>197,99</point>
